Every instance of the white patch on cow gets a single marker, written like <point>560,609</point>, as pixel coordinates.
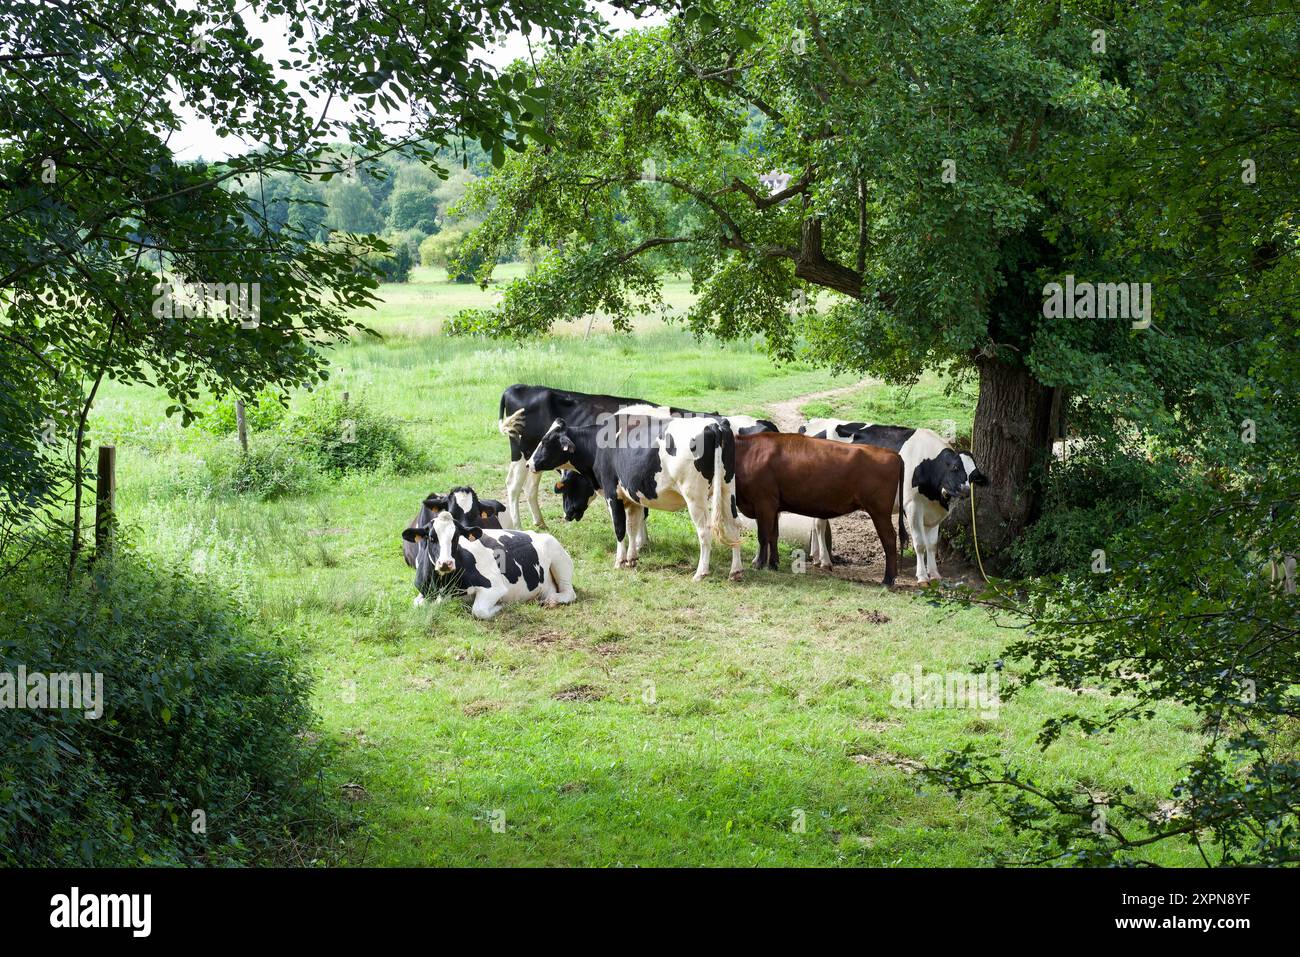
<point>444,530</point>
<point>465,501</point>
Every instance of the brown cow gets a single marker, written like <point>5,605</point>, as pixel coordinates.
<point>783,472</point>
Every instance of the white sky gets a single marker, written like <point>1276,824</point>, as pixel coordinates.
<point>197,138</point>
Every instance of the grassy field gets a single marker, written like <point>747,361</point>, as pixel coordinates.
<point>655,721</point>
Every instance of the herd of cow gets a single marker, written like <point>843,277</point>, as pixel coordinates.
<point>726,471</point>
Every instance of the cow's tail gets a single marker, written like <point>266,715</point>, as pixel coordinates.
<point>509,425</point>
<point>902,534</point>
<point>721,519</point>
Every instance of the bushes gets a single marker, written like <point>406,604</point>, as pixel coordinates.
<point>352,437</point>
<point>200,713</point>
<point>263,414</point>
<point>271,468</point>
<point>1089,497</point>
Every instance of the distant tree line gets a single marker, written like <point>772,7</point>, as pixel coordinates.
<point>396,197</point>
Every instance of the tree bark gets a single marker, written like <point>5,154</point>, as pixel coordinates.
<point>1015,421</point>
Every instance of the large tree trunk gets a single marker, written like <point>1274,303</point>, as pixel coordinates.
<point>1015,421</point>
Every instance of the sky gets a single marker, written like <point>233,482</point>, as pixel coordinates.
<point>197,139</point>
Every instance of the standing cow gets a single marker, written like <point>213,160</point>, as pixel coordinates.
<point>494,568</point>
<point>936,475</point>
<point>526,412</point>
<point>778,473</point>
<point>644,461</point>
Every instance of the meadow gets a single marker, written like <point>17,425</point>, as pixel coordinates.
<point>655,721</point>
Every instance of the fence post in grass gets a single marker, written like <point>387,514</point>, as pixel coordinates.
<point>590,319</point>
<point>241,425</point>
<point>105,493</point>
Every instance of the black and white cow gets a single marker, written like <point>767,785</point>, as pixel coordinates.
<point>577,491</point>
<point>526,412</point>
<point>934,474</point>
<point>494,568</point>
<point>465,507</point>
<point>644,461</point>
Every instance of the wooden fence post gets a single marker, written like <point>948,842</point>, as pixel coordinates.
<point>241,425</point>
<point>105,493</point>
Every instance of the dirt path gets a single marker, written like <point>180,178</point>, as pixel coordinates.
<point>853,539</point>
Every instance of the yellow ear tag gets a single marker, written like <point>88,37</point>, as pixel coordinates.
<point>483,514</point>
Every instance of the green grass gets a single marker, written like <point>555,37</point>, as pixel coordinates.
<point>655,721</point>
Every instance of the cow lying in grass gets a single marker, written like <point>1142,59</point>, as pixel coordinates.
<point>465,507</point>
<point>778,473</point>
<point>936,476</point>
<point>644,461</point>
<point>494,568</point>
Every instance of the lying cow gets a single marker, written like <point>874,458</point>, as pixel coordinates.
<point>644,461</point>
<point>778,473</point>
<point>465,507</point>
<point>936,474</point>
<point>494,568</point>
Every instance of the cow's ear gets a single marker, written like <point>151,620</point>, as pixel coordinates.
<point>473,534</point>
<point>493,506</point>
<point>559,486</point>
<point>435,503</point>
<point>415,534</point>
<point>566,443</point>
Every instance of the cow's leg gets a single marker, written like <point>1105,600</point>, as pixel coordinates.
<point>487,603</point>
<point>562,579</point>
<point>635,522</point>
<point>737,563</point>
<point>822,533</point>
<point>884,523</point>
<point>917,532</point>
<point>534,480</point>
<point>618,515</point>
<point>642,532</point>
<point>699,512</point>
<point>514,485</point>
<point>774,540</point>
<point>932,551</point>
<point>760,523</point>
<point>419,600</point>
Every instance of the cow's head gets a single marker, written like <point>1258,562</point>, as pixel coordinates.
<point>466,508</point>
<point>554,451</point>
<point>436,544</point>
<point>577,491</point>
<point>945,476</point>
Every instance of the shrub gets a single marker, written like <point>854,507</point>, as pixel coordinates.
<point>1089,497</point>
<point>271,468</point>
<point>351,437</point>
<point>447,250</point>
<point>201,712</point>
<point>263,414</point>
<point>394,264</point>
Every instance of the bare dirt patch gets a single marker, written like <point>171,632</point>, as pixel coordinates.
<point>579,693</point>
<point>885,759</point>
<point>545,638</point>
<point>482,706</point>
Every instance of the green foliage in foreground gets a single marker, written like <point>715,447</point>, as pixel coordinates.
<point>202,711</point>
<point>1212,624</point>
